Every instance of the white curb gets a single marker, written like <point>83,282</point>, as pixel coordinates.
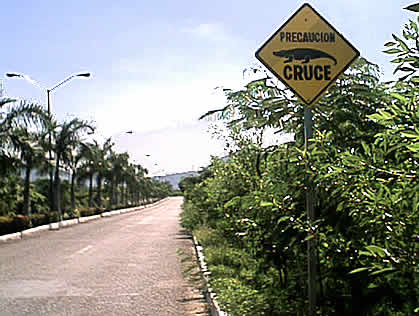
<point>88,218</point>
<point>69,222</point>
<point>209,294</point>
<point>9,237</point>
<point>35,230</point>
<point>54,226</point>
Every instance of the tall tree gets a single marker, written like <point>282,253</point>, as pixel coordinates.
<point>78,153</point>
<point>66,136</point>
<point>15,116</point>
<point>27,145</point>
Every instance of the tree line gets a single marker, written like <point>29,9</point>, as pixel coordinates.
<point>30,139</point>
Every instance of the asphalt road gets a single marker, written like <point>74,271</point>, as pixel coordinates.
<point>121,265</point>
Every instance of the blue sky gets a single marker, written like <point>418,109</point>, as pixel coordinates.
<point>155,64</point>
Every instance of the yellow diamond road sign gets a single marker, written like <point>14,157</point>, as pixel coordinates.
<point>307,54</point>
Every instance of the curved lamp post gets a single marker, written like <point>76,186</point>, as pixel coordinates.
<point>27,78</point>
<point>35,83</point>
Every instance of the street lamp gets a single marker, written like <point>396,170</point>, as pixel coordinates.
<point>29,79</point>
<point>35,83</point>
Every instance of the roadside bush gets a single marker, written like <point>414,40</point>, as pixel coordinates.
<point>208,236</point>
<point>6,225</point>
<point>190,217</point>
<point>222,271</point>
<point>13,224</point>
<point>227,256</point>
<point>20,222</point>
<point>53,217</point>
<point>39,219</point>
<point>89,211</point>
<point>362,165</point>
<point>238,299</point>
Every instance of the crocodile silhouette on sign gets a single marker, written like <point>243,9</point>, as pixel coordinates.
<point>305,54</point>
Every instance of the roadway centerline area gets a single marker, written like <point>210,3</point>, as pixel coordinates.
<point>81,251</point>
<point>121,265</point>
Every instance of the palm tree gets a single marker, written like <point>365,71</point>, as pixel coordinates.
<point>115,175</point>
<point>97,163</point>
<point>135,181</point>
<point>19,146</point>
<point>66,136</point>
<point>15,116</point>
<point>87,171</point>
<point>77,154</point>
<point>27,145</point>
<point>102,164</point>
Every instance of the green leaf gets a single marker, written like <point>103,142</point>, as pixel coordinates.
<point>414,147</point>
<point>397,60</point>
<point>265,204</point>
<point>309,237</point>
<point>406,69</point>
<point>389,44</point>
<point>340,206</point>
<point>402,44</point>
<point>283,219</point>
<point>358,270</point>
<point>392,51</point>
<point>413,7</point>
<point>404,77</point>
<point>409,135</point>
<point>366,148</point>
<point>377,250</point>
<point>382,271</point>
<point>414,26</point>
<point>400,97</point>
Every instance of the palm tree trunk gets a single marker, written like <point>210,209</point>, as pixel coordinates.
<point>123,194</point>
<point>57,202</point>
<point>112,193</point>
<point>99,190</point>
<point>90,189</point>
<point>116,193</point>
<point>73,195</point>
<point>26,190</point>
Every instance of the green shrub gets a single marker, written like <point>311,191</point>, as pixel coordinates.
<point>225,256</point>
<point>20,222</point>
<point>5,225</point>
<point>99,210</point>
<point>190,217</point>
<point>53,217</point>
<point>87,211</point>
<point>208,236</point>
<point>39,219</point>
<point>238,299</point>
<point>222,271</point>
<point>13,224</point>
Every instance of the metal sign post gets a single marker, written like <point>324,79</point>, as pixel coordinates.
<point>311,246</point>
<point>308,55</point>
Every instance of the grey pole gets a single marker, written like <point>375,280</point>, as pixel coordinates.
<point>311,246</point>
<point>50,171</point>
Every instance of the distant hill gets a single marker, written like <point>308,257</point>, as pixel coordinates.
<point>175,178</point>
